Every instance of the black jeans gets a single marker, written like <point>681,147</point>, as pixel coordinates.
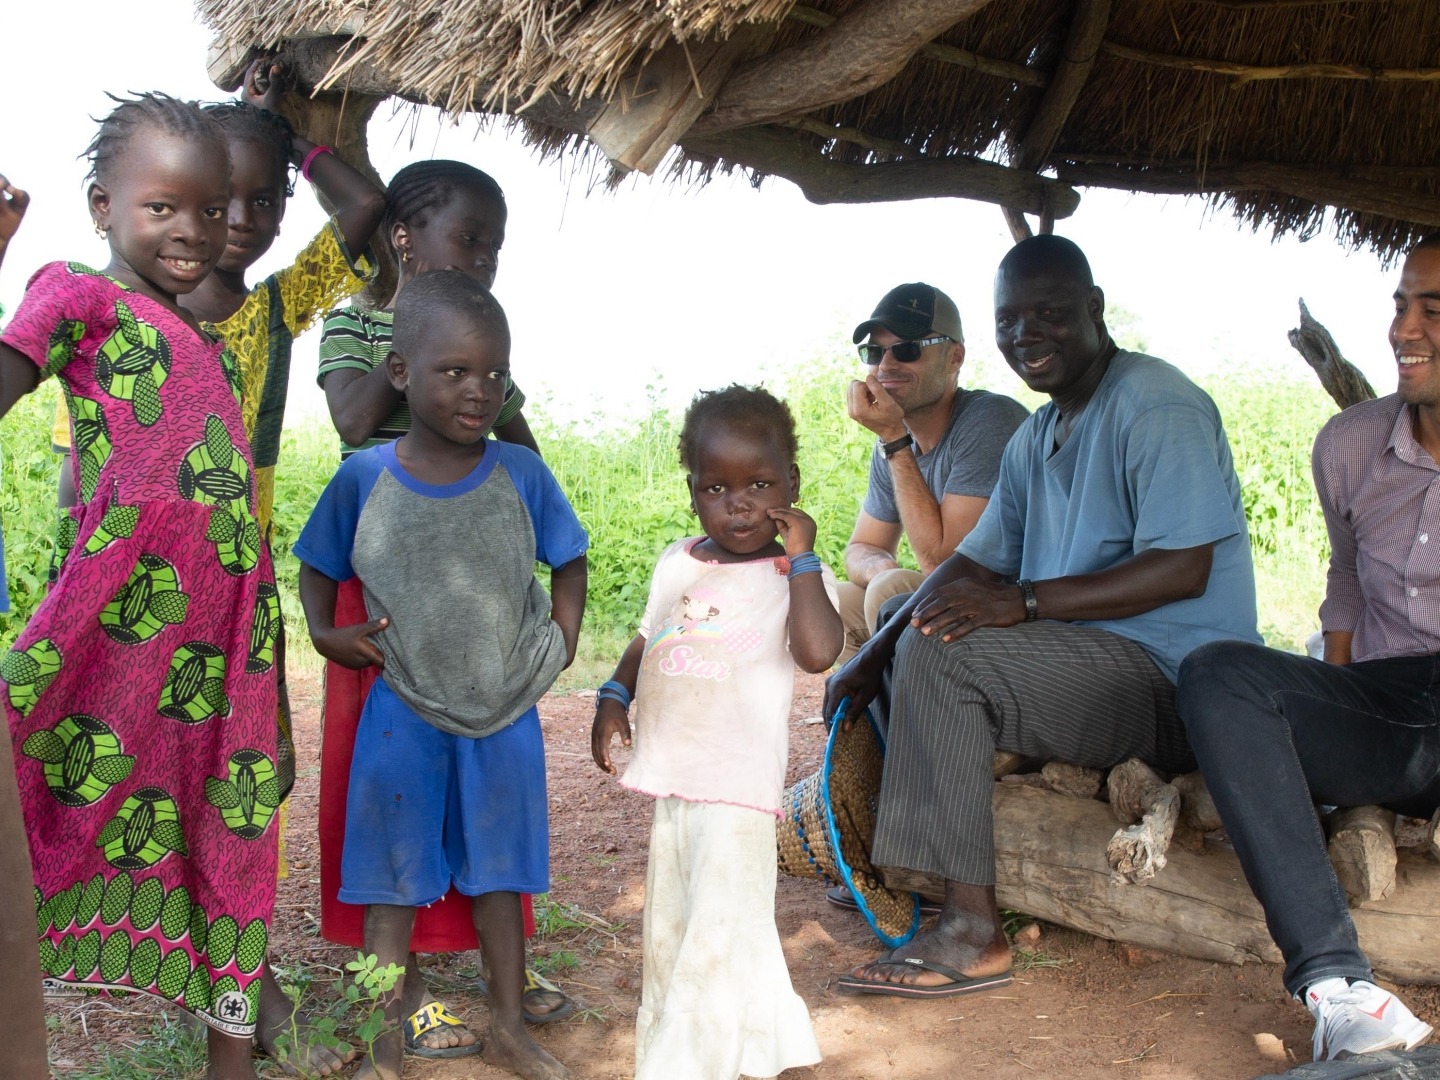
<point>1276,733</point>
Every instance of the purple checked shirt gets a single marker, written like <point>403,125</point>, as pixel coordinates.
<point>1380,491</point>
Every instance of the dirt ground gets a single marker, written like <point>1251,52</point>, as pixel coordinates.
<point>1079,1008</point>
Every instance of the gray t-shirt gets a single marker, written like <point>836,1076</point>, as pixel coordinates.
<point>966,460</point>
<point>470,645</point>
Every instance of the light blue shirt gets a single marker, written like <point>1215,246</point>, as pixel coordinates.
<point>1146,466</point>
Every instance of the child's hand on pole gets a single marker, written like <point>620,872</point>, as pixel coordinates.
<point>797,529</point>
<point>350,646</point>
<point>611,719</point>
<point>261,86</point>
<point>13,203</point>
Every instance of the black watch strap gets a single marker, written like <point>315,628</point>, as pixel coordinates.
<point>890,449</point>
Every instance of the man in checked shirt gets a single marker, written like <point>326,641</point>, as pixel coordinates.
<point>1276,733</point>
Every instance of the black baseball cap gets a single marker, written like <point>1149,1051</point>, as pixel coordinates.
<point>914,311</point>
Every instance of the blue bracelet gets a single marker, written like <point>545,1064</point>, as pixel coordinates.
<point>614,691</point>
<point>807,562</point>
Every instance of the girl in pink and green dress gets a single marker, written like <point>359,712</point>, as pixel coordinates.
<point>141,695</point>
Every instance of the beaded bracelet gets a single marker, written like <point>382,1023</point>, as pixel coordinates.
<point>807,562</point>
<point>614,691</point>
<point>310,159</point>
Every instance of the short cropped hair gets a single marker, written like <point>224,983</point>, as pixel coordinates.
<point>1047,253</point>
<point>752,409</point>
<point>441,294</point>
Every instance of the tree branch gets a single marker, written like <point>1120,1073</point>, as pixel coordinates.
<point>1320,186</point>
<point>1341,379</point>
<point>822,180</point>
<point>864,48</point>
<point>1245,73</point>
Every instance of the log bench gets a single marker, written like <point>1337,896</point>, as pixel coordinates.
<point>1051,862</point>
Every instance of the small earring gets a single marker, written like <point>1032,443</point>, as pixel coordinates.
<point>102,231</point>
<point>405,255</point>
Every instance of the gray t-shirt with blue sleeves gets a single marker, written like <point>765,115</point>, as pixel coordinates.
<point>966,460</point>
<point>1147,466</point>
<point>471,645</point>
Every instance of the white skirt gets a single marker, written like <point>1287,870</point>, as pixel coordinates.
<point>717,1001</point>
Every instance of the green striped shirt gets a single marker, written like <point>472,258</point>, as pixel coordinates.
<point>357,340</point>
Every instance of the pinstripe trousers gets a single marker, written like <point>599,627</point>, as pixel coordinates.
<point>1050,690</point>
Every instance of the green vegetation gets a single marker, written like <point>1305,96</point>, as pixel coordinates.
<point>628,488</point>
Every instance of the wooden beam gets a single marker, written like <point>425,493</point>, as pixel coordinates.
<point>1077,58</point>
<point>657,105</point>
<point>864,48</point>
<point>1246,73</point>
<point>769,151</point>
<point>1259,5</point>
<point>1324,187</point>
<point>839,133</point>
<point>945,54</point>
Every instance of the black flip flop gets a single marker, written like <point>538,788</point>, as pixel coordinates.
<point>958,984</point>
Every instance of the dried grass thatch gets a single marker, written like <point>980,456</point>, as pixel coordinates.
<point>1287,113</point>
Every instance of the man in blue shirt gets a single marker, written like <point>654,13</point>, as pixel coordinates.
<point>1113,544</point>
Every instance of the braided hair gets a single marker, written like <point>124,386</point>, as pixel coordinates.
<point>146,111</point>
<point>244,122</point>
<point>751,409</point>
<point>422,186</point>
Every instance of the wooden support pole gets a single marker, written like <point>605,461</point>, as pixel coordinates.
<point>1362,850</point>
<point>862,49</point>
<point>1341,379</point>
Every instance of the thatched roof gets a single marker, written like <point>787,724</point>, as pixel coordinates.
<point>1272,109</point>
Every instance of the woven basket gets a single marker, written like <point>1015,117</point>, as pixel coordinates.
<point>830,823</point>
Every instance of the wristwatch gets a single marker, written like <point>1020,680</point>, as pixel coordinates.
<point>890,449</point>
<point>1027,590</point>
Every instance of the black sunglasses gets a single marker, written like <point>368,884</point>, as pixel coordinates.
<point>905,352</point>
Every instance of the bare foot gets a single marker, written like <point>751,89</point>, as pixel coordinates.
<point>967,937</point>
<point>512,1049</point>
<point>288,1038</point>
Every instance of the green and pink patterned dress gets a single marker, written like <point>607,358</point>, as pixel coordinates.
<point>141,695</point>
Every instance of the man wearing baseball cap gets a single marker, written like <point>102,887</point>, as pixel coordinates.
<point>937,449</point>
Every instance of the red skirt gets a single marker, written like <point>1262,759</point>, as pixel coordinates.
<point>446,926</point>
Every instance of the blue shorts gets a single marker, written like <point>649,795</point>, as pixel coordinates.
<point>428,809</point>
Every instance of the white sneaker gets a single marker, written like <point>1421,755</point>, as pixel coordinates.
<point>1361,1018</point>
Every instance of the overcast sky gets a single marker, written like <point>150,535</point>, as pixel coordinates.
<point>704,286</point>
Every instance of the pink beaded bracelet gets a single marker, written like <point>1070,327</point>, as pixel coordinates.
<point>310,159</point>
